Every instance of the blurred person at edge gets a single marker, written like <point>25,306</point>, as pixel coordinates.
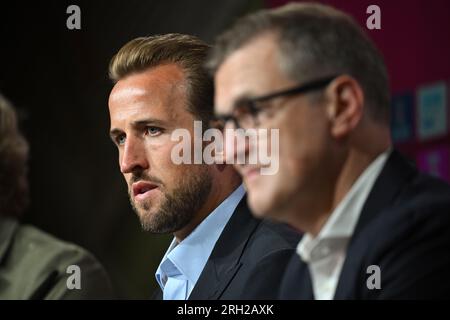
<point>34,264</point>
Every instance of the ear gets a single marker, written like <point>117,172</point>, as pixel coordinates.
<point>345,101</point>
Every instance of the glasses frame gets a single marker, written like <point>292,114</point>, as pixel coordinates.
<point>253,110</point>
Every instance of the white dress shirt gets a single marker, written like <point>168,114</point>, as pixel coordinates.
<point>325,254</point>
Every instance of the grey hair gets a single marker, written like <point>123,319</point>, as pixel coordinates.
<point>314,40</point>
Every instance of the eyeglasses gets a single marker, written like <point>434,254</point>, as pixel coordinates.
<point>245,113</point>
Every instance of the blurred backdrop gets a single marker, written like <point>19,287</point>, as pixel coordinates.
<point>58,80</point>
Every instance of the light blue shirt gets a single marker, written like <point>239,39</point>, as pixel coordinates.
<point>183,262</point>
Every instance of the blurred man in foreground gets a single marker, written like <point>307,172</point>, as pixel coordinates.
<point>375,227</point>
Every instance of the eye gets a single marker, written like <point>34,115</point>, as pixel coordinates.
<point>120,139</point>
<point>244,106</point>
<point>153,131</point>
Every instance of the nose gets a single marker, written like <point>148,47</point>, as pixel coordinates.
<point>134,156</point>
<point>236,146</point>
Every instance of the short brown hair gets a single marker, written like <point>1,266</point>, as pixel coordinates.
<point>186,51</point>
<point>13,163</point>
<point>314,40</point>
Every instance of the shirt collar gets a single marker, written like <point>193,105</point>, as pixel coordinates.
<point>340,225</point>
<point>189,257</point>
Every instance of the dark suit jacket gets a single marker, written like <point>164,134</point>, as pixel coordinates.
<point>247,261</point>
<point>404,228</point>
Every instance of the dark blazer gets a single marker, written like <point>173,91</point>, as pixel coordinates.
<point>404,228</point>
<point>248,260</point>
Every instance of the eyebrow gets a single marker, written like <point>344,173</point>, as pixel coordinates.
<point>148,121</point>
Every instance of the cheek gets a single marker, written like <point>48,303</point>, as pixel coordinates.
<point>162,166</point>
<point>159,156</point>
<point>119,164</point>
<point>120,156</point>
<point>302,141</point>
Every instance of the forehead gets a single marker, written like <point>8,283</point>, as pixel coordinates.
<point>249,71</point>
<point>157,92</point>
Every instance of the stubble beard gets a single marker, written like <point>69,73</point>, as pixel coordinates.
<point>178,207</point>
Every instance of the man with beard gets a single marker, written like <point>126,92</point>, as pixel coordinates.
<point>219,251</point>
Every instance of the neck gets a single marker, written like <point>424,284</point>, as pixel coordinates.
<point>223,186</point>
<point>321,204</point>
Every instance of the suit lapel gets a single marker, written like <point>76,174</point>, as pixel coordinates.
<point>393,177</point>
<point>306,290</point>
<point>297,283</point>
<point>395,174</point>
<point>225,259</point>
